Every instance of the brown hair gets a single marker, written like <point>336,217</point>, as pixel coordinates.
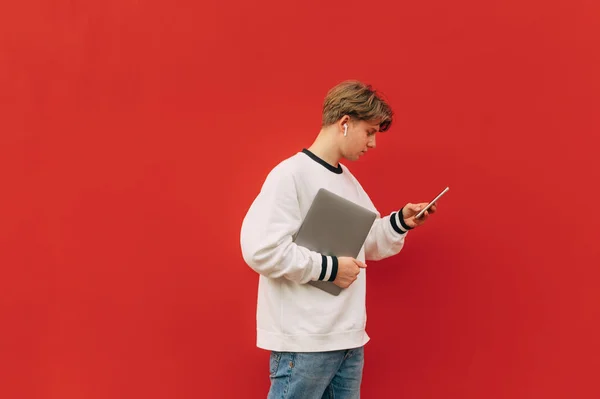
<point>357,100</point>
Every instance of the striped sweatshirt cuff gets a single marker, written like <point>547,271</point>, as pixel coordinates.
<point>398,223</point>
<point>329,267</point>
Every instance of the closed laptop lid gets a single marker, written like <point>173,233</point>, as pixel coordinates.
<point>335,225</point>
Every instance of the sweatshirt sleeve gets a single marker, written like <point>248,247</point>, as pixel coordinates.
<point>387,234</point>
<point>386,237</point>
<point>267,230</point>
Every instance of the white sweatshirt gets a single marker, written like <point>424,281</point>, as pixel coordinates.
<point>293,315</point>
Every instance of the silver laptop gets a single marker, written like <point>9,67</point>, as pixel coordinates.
<point>334,226</point>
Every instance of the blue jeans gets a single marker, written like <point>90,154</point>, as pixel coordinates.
<point>316,375</point>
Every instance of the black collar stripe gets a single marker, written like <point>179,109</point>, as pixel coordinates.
<point>315,158</point>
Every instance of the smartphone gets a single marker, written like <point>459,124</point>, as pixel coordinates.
<point>431,203</point>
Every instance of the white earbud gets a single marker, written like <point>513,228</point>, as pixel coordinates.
<point>345,129</point>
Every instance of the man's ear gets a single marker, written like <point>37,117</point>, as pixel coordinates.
<point>344,120</point>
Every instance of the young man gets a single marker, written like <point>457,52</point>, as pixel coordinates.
<point>316,339</point>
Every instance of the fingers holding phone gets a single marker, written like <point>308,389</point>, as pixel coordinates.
<point>416,214</point>
<point>410,212</point>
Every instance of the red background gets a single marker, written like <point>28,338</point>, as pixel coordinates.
<point>134,135</point>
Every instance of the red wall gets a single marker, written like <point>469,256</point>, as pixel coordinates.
<point>133,137</point>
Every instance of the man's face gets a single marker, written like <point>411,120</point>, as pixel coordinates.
<point>360,139</point>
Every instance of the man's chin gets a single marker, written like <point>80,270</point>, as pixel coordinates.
<point>354,157</point>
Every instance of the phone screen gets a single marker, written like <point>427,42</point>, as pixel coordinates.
<point>432,202</point>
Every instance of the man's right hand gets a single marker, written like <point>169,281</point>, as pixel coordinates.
<point>348,269</point>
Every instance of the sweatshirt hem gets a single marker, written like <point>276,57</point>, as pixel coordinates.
<point>311,343</point>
